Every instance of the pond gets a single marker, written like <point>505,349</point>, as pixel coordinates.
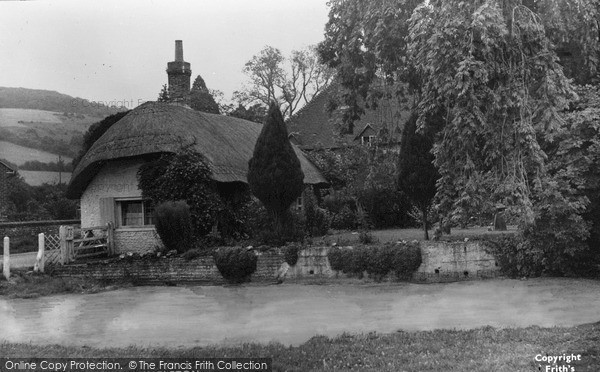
<point>291,313</point>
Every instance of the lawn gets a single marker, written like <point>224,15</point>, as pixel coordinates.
<point>482,349</point>
<point>393,235</point>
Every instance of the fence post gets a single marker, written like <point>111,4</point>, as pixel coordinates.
<point>6,258</point>
<point>110,238</point>
<point>40,260</point>
<point>69,241</point>
<point>62,235</point>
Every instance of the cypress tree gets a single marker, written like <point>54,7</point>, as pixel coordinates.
<point>417,175</point>
<point>274,173</point>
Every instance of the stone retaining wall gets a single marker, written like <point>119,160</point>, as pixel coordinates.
<point>442,262</point>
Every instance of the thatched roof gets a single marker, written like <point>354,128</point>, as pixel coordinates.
<point>155,127</point>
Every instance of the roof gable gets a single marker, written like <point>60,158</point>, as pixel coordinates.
<point>314,126</point>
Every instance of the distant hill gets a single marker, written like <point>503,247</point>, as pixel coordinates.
<point>49,100</point>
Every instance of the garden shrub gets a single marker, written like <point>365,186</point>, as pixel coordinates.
<point>366,237</point>
<point>345,219</point>
<point>407,259</point>
<point>290,254</point>
<point>377,261</point>
<point>236,264</point>
<point>336,259</point>
<point>174,225</point>
<point>316,220</point>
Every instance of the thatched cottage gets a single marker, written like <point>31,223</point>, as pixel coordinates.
<point>105,180</point>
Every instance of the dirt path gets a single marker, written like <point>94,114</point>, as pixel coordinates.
<point>291,314</point>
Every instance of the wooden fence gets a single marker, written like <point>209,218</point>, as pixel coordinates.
<point>72,244</point>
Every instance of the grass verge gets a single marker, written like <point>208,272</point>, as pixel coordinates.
<point>482,349</point>
<point>27,284</point>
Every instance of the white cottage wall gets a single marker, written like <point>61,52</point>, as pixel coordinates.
<point>117,179</point>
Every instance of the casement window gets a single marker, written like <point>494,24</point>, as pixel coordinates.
<point>127,212</point>
<point>135,213</point>
<point>299,203</point>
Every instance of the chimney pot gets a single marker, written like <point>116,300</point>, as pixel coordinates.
<point>178,51</point>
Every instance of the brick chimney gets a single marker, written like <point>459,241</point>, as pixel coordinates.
<point>179,73</point>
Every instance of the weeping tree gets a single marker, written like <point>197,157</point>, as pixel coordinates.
<point>274,173</point>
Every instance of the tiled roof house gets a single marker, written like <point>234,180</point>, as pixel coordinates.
<point>313,126</point>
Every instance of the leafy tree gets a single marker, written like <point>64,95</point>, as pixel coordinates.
<point>163,96</point>
<point>365,44</point>
<point>274,173</point>
<point>492,69</point>
<point>417,175</point>
<point>256,113</point>
<point>94,132</point>
<point>201,98</point>
<point>289,82</point>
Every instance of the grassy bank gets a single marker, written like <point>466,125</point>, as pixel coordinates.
<point>26,284</point>
<point>483,349</point>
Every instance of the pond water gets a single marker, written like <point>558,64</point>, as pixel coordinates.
<point>290,313</point>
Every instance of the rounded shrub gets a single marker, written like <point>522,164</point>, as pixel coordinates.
<point>236,264</point>
<point>336,259</point>
<point>407,259</point>
<point>173,224</point>
<point>290,254</point>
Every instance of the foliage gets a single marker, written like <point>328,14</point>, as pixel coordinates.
<point>499,84</point>
<point>183,176</point>
<point>362,177</point>
<point>256,113</point>
<point>366,237</point>
<point>417,175</point>
<point>35,165</point>
<point>290,254</point>
<point>35,203</point>
<point>489,68</point>
<point>316,219</point>
<point>163,96</point>
<point>290,86</point>
<point>274,173</point>
<point>566,227</point>
<point>236,264</point>
<point>403,259</point>
<point>201,98</point>
<point>94,132</point>
<point>365,44</point>
<point>173,223</point>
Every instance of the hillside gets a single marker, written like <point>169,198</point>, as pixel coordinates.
<point>47,121</point>
<point>48,100</point>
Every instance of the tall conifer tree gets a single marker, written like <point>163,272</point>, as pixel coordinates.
<point>274,173</point>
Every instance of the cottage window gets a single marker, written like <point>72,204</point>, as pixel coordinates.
<point>135,213</point>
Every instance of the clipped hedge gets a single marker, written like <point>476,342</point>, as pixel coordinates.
<point>378,261</point>
<point>236,264</point>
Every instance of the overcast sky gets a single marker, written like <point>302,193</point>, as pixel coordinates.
<point>118,50</point>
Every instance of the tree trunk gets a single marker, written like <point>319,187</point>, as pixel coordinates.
<point>425,224</point>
